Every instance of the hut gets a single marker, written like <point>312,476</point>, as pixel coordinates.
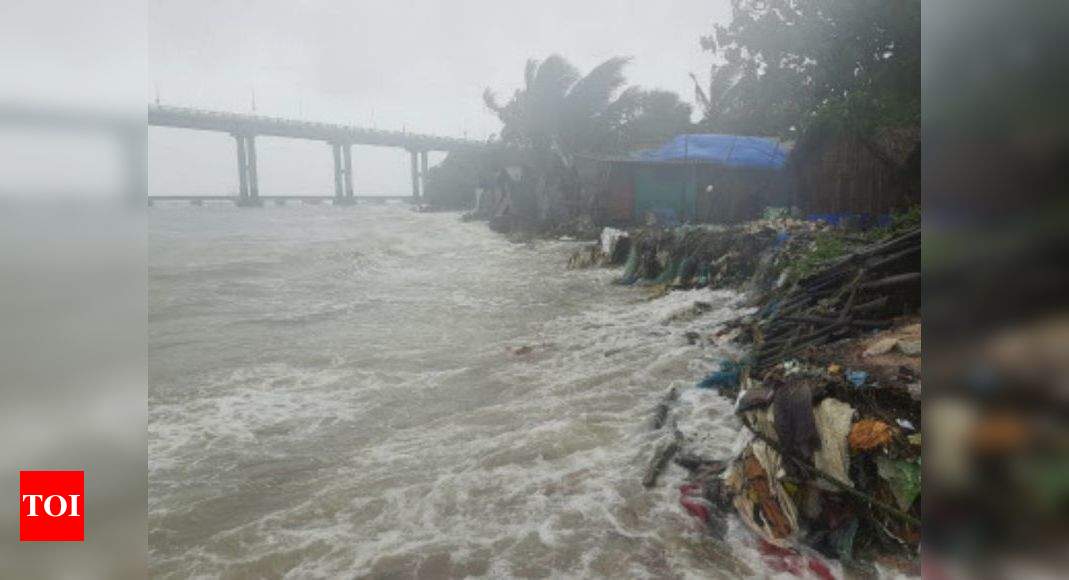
<point>695,178</point>
<point>844,175</point>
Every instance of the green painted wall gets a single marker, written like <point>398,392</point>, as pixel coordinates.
<point>660,187</point>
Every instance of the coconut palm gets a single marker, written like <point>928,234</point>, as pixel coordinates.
<point>558,110</point>
<point>559,114</point>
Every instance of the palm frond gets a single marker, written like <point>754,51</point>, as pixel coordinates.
<point>593,93</point>
<point>529,72</point>
<point>554,77</point>
<point>490,100</point>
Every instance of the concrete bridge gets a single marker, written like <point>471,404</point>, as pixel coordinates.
<point>340,138</point>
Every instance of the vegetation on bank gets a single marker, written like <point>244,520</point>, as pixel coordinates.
<point>785,66</point>
<point>781,68</point>
<point>835,243</point>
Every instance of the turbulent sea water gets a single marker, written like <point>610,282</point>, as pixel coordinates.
<point>368,391</point>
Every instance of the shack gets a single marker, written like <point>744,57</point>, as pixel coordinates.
<point>694,178</point>
<point>846,175</point>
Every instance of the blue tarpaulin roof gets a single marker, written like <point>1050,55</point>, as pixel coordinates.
<point>727,150</point>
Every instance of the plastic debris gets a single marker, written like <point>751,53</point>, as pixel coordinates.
<point>690,497</point>
<point>857,378</point>
<point>788,561</point>
<point>882,346</point>
<point>869,434</point>
<point>796,428</point>
<point>760,499</point>
<point>833,418</point>
<point>727,376</point>
<point>837,543</point>
<point>755,396</point>
<point>910,347</point>
<point>609,238</point>
<point>904,478</point>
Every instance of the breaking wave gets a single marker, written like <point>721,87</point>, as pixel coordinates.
<point>366,390</point>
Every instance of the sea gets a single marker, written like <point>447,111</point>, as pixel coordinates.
<point>369,391</point>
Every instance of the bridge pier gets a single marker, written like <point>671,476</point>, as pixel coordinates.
<point>423,172</point>
<point>348,154</point>
<point>254,177</point>
<point>339,175</point>
<point>415,174</point>
<point>248,181</point>
<point>243,170</point>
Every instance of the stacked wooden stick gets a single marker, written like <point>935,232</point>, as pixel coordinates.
<point>861,291</point>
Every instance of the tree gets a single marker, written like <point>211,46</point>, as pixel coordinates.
<point>645,118</point>
<point>451,184</point>
<point>559,114</point>
<point>558,111</point>
<point>783,65</point>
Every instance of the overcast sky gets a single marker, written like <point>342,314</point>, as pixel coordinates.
<point>415,64</point>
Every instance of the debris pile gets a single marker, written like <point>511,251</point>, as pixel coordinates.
<point>830,400</point>
<point>861,291</point>
<point>695,256</point>
<point>831,466</point>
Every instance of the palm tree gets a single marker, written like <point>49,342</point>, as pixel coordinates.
<point>558,111</point>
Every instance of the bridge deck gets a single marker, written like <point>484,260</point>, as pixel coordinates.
<point>277,197</point>
<point>187,118</point>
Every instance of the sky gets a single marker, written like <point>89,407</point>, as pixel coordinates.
<point>419,65</point>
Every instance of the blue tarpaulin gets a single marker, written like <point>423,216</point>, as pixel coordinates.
<point>727,150</point>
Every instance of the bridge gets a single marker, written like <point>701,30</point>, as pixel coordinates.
<point>246,128</point>
<point>280,199</point>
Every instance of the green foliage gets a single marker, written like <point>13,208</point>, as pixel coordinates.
<point>785,65</point>
<point>561,113</point>
<point>644,118</point>
<point>900,222</point>
<point>835,243</point>
<point>452,183</point>
<point>827,246</point>
<point>557,110</point>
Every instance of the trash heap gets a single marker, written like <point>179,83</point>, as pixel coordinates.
<point>693,256</point>
<point>861,291</point>
<point>830,398</point>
